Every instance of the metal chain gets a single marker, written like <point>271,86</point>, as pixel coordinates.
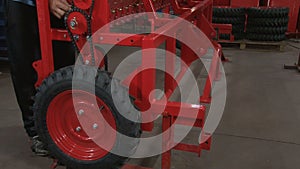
<point>90,33</point>
<point>74,38</point>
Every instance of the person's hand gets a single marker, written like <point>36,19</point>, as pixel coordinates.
<point>59,7</point>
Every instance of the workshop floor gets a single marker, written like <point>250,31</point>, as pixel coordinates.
<point>260,128</point>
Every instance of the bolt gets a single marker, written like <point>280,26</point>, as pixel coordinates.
<point>101,108</point>
<point>101,38</point>
<point>73,24</point>
<point>95,126</point>
<point>76,37</point>
<point>87,62</point>
<point>65,35</point>
<point>78,129</point>
<point>80,112</point>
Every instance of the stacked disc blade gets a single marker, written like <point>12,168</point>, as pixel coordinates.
<point>267,24</point>
<point>234,16</point>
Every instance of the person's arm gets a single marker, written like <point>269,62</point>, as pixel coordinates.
<point>59,7</point>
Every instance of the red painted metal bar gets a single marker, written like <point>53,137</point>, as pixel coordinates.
<point>167,138</point>
<point>170,64</point>
<point>224,29</point>
<point>46,65</point>
<point>60,35</point>
<point>221,2</point>
<point>245,3</point>
<point>206,96</point>
<point>207,144</point>
<point>119,38</point>
<point>206,27</point>
<point>177,7</point>
<point>147,81</point>
<point>189,113</point>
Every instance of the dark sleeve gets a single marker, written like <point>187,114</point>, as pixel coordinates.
<point>27,2</point>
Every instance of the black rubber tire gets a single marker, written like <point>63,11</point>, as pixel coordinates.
<point>268,12</point>
<point>224,37</point>
<point>265,37</point>
<point>61,80</point>
<point>268,22</point>
<point>228,12</point>
<point>239,28</point>
<point>226,20</point>
<point>267,30</point>
<point>237,36</point>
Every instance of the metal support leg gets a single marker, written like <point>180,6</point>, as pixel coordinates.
<point>166,142</point>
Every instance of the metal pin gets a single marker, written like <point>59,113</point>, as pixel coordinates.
<point>101,108</point>
<point>76,37</point>
<point>78,129</point>
<point>80,112</point>
<point>95,126</point>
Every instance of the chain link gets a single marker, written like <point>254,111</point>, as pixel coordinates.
<point>74,38</point>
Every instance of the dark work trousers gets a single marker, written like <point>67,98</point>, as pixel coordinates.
<point>23,50</point>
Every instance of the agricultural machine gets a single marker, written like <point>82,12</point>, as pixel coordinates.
<point>72,118</point>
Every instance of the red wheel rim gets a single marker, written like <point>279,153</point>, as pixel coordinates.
<point>68,128</point>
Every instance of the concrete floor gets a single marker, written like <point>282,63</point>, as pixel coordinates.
<point>260,127</point>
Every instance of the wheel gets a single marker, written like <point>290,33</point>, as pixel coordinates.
<point>240,28</point>
<point>268,22</point>
<point>224,37</point>
<point>237,36</point>
<point>60,127</point>
<point>268,12</point>
<point>228,12</point>
<point>226,20</point>
<point>265,37</point>
<point>267,30</point>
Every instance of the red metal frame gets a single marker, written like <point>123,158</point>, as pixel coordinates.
<point>221,3</point>
<point>244,3</point>
<point>198,12</point>
<point>224,29</point>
